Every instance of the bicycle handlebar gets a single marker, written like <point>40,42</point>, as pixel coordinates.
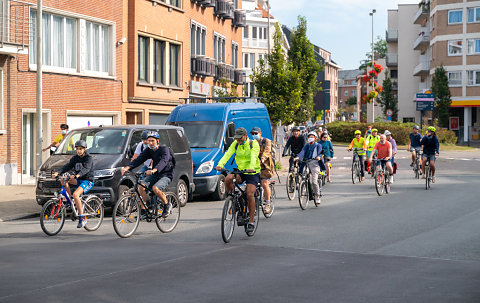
<point>234,171</point>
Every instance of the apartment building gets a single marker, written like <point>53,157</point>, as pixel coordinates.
<point>82,75</point>
<point>347,88</point>
<point>329,79</point>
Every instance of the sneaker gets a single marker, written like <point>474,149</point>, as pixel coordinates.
<point>143,214</point>
<point>82,221</point>
<point>423,176</point>
<point>391,179</point>
<point>167,208</point>
<point>411,164</point>
<point>267,208</point>
<point>318,199</point>
<point>250,227</point>
<point>433,179</point>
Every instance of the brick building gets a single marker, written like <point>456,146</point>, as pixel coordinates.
<point>82,75</point>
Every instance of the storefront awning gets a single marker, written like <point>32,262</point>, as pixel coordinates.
<point>465,103</point>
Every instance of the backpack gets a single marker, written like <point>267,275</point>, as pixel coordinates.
<point>264,143</point>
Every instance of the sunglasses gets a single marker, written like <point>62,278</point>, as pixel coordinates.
<point>254,134</point>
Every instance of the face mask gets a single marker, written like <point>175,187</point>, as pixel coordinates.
<point>310,140</point>
<point>256,137</point>
<point>429,137</point>
<point>64,132</point>
<point>382,142</point>
<point>145,145</point>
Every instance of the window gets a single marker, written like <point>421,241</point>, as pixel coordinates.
<point>245,60</point>
<point>394,74</point>
<point>455,78</point>
<point>346,93</point>
<point>245,32</point>
<point>143,58</point>
<point>159,65</point>
<point>473,77</point>
<point>59,41</point>
<point>2,126</point>
<point>234,54</point>
<point>455,47</point>
<point>473,46</point>
<point>198,36</point>
<point>407,120</point>
<point>254,32</point>
<point>219,48</point>
<point>174,64</point>
<point>176,3</point>
<point>98,47</point>
<point>252,61</point>
<point>455,17</point>
<point>354,93</point>
<point>474,14</point>
<point>265,33</point>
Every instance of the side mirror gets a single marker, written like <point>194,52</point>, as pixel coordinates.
<point>228,142</point>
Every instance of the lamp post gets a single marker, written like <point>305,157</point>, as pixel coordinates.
<point>39,85</point>
<point>373,59</point>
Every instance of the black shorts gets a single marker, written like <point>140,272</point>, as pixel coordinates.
<point>327,159</point>
<point>250,179</point>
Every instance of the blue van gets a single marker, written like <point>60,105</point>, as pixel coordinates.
<point>210,128</point>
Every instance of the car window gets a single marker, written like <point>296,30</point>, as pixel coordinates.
<point>136,138</point>
<point>99,141</point>
<point>177,142</point>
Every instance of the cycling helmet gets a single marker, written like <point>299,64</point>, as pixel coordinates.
<point>145,134</point>
<point>153,134</point>
<point>374,130</point>
<point>81,143</point>
<point>387,133</point>
<point>312,134</point>
<point>416,127</point>
<point>358,132</point>
<point>431,128</point>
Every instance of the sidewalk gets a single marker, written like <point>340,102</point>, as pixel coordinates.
<point>18,201</point>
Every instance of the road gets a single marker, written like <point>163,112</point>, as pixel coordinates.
<point>412,245</point>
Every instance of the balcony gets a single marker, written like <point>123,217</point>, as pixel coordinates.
<point>422,14</point>
<point>224,71</point>
<point>239,19</point>
<point>391,35</point>
<point>423,67</point>
<point>240,77</point>
<point>392,59</point>
<point>205,3</point>
<point>224,9</point>
<point>394,85</point>
<point>199,66</point>
<point>423,40</point>
<point>14,27</point>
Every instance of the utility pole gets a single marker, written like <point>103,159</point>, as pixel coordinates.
<point>39,84</point>
<point>373,60</point>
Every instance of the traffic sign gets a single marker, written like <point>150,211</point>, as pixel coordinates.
<point>389,112</point>
<point>425,102</point>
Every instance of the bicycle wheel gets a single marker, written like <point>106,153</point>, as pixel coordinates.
<point>354,171</point>
<point>126,215</point>
<point>52,217</point>
<point>256,218</point>
<point>303,195</point>
<point>228,219</point>
<point>272,203</point>
<point>168,223</point>
<point>93,211</point>
<point>386,181</point>
<point>379,179</point>
<point>291,186</point>
<point>427,177</point>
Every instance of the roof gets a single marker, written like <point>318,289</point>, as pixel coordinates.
<point>264,12</point>
<point>349,74</point>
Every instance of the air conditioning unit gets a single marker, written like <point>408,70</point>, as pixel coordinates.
<point>199,66</point>
<point>211,68</point>
<point>208,3</point>
<point>230,11</point>
<point>230,73</point>
<point>240,77</point>
<point>240,18</point>
<point>221,8</point>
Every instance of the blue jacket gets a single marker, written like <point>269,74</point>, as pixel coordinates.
<point>327,148</point>
<point>316,152</point>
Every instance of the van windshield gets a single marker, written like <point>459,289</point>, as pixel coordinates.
<point>99,141</point>
<point>203,134</point>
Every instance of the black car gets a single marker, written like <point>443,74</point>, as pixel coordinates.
<point>112,147</point>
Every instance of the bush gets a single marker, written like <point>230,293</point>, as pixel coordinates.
<point>343,131</point>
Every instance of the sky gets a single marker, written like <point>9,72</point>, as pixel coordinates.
<point>343,27</point>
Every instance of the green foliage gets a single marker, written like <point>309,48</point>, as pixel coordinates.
<point>387,100</point>
<point>278,166</point>
<point>301,57</point>
<point>224,92</point>
<point>351,101</point>
<point>446,136</point>
<point>380,49</point>
<point>442,96</point>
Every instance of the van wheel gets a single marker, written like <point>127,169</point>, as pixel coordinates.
<point>220,190</point>
<point>122,190</point>
<point>182,192</point>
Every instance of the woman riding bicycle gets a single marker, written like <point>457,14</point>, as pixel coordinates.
<point>327,149</point>
<point>359,143</point>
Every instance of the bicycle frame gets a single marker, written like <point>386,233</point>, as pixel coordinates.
<point>151,214</point>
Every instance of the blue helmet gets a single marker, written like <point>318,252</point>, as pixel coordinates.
<point>145,134</point>
<point>153,134</point>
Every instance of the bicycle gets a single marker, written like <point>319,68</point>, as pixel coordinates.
<point>273,196</point>
<point>54,211</point>
<point>356,165</point>
<point>292,181</point>
<point>416,165</point>
<point>235,209</point>
<point>382,177</point>
<point>305,189</point>
<point>126,214</point>
<point>428,177</point>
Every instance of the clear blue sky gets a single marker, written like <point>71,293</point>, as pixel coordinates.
<point>342,27</point>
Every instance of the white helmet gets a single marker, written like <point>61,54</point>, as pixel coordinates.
<point>387,133</point>
<point>312,134</point>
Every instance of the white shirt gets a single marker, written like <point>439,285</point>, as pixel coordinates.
<point>139,150</point>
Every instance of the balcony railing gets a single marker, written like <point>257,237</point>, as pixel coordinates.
<point>423,67</point>
<point>422,42</point>
<point>239,19</point>
<point>240,77</point>
<point>224,9</point>
<point>422,13</point>
<point>392,59</point>
<point>224,71</point>
<point>391,35</point>
<point>203,67</point>
<point>14,26</point>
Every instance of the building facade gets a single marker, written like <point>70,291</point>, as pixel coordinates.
<point>81,81</point>
<point>347,89</point>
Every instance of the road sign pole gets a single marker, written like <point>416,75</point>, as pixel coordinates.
<point>421,119</point>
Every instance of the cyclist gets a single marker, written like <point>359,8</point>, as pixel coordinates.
<point>313,150</point>
<point>266,164</point>
<point>359,142</point>
<point>430,150</point>
<point>82,165</point>
<point>388,136</point>
<point>368,132</point>
<point>327,149</point>
<point>415,138</point>
<point>247,157</point>
<point>140,148</point>
<point>161,173</point>
<point>56,142</point>
<point>371,141</point>
<point>384,153</point>
<point>296,143</point>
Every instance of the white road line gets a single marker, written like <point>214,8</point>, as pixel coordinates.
<point>465,159</point>
<point>347,158</point>
<point>334,158</point>
<point>450,158</point>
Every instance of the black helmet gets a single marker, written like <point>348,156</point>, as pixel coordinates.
<point>153,134</point>
<point>81,143</point>
<point>295,128</point>
<point>145,134</point>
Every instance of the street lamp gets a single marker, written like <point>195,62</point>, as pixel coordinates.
<point>373,78</point>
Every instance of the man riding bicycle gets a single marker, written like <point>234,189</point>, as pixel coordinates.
<point>296,143</point>
<point>82,165</point>
<point>247,158</point>
<point>359,143</point>
<point>266,164</point>
<point>430,151</point>
<point>161,173</point>
<point>414,144</point>
<point>384,154</point>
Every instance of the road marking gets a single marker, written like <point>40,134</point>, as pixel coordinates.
<point>450,158</point>
<point>465,159</point>
<point>334,158</point>
<point>347,158</point>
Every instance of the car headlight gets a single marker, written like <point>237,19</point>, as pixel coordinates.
<point>104,173</point>
<point>205,167</point>
<point>41,174</point>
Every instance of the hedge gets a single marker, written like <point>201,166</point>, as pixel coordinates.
<point>344,131</point>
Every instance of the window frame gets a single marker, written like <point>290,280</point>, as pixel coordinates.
<point>147,59</point>
<point>474,77</point>
<point>101,48</point>
<point>454,72</point>
<point>234,55</point>
<point>199,40</point>
<point>454,11</point>
<point>476,17</point>
<point>448,48</point>
<point>2,101</point>
<point>475,52</point>
<point>219,45</point>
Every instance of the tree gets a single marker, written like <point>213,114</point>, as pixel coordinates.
<point>223,91</point>
<point>278,84</point>
<point>442,96</point>
<point>380,48</point>
<point>301,57</point>
<point>388,100</point>
<point>351,101</point>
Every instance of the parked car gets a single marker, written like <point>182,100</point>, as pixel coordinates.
<point>112,148</point>
<point>210,128</point>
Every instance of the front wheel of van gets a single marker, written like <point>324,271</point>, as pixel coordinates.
<point>182,193</point>
<point>219,193</point>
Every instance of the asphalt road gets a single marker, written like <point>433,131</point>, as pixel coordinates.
<point>412,245</point>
